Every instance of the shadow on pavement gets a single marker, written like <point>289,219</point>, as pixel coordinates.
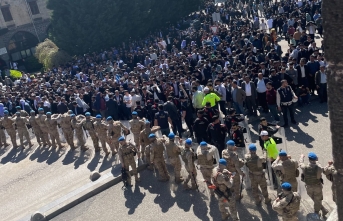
<point>133,198</point>
<point>83,158</point>
<point>106,164</point>
<point>94,162</point>
<point>55,155</point>
<point>5,149</point>
<point>41,154</point>
<point>70,157</point>
<point>16,155</point>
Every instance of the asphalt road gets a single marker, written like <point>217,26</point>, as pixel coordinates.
<point>151,200</point>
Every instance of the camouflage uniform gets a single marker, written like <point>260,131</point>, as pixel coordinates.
<point>88,125</point>
<point>145,141</point>
<point>188,158</point>
<point>287,170</point>
<point>8,124</point>
<point>67,129</point>
<point>2,134</point>
<point>312,174</point>
<point>51,124</point>
<point>173,153</point>
<point>156,157</point>
<point>205,161</point>
<point>256,174</point>
<point>288,206</point>
<point>77,126</point>
<point>101,130</point>
<point>330,171</point>
<point>114,132</point>
<point>136,127</point>
<point>36,129</point>
<point>41,122</point>
<point>222,179</point>
<point>22,129</point>
<point>234,165</point>
<point>127,158</point>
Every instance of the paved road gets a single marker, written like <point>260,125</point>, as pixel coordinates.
<point>32,178</point>
<point>151,200</point>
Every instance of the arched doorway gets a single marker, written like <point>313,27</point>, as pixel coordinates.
<point>22,45</point>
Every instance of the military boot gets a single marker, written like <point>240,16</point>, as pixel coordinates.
<point>225,216</point>
<point>324,211</point>
<point>178,179</point>
<point>267,200</point>
<point>137,179</point>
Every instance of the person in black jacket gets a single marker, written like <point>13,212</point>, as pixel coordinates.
<point>141,111</point>
<point>112,108</point>
<point>174,115</point>
<point>264,125</point>
<point>200,127</point>
<point>232,117</point>
<point>217,133</point>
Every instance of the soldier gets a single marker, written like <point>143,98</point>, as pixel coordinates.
<point>156,157</point>
<point>200,126</point>
<point>8,124</point>
<point>145,141</point>
<point>287,169</point>
<point>87,124</point>
<point>36,129</point>
<point>41,122</point>
<point>222,179</point>
<point>67,129</point>
<point>330,172</point>
<point>288,203</point>
<point>173,152</point>
<point>101,130</point>
<point>22,112</point>
<point>114,132</point>
<point>77,126</point>
<point>136,127</point>
<point>127,152</point>
<point>2,134</point>
<point>205,153</point>
<point>234,165</point>
<point>51,123</point>
<point>256,174</point>
<point>312,176</point>
<point>188,158</point>
<point>22,129</point>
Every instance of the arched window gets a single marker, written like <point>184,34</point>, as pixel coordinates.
<point>22,45</point>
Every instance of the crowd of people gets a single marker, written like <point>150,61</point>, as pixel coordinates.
<point>224,60</point>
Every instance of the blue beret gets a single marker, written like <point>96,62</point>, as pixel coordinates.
<point>231,143</point>
<point>134,113</point>
<point>252,147</point>
<point>87,114</point>
<point>171,135</point>
<point>18,107</point>
<point>6,112</point>
<point>48,113</point>
<point>147,122</point>
<point>98,116</point>
<point>17,112</point>
<point>223,161</point>
<point>109,118</point>
<point>72,115</point>
<point>188,141</point>
<point>286,186</point>
<point>312,156</point>
<point>203,143</point>
<point>32,111</point>
<point>283,153</point>
<point>40,109</point>
<point>121,138</point>
<point>152,136</point>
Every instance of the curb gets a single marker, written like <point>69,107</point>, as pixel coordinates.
<point>81,194</point>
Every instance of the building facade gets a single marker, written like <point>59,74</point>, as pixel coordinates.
<point>23,24</point>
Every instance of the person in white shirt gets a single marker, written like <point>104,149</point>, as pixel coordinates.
<point>261,89</point>
<point>321,84</point>
<point>270,23</point>
<point>135,98</point>
<point>250,99</point>
<point>263,26</point>
<point>127,99</point>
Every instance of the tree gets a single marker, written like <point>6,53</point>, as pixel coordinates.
<point>82,26</point>
<point>333,41</point>
<point>50,55</point>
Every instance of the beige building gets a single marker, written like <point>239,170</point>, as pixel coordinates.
<point>23,24</point>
